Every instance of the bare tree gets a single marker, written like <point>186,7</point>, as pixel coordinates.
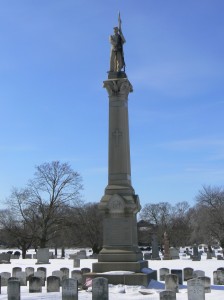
<point>15,231</point>
<point>180,228</point>
<point>85,226</point>
<point>210,202</point>
<point>158,215</point>
<point>174,220</point>
<point>42,204</point>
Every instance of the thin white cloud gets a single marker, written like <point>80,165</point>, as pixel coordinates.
<point>177,78</point>
<point>193,143</point>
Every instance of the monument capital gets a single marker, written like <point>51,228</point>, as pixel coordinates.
<point>118,87</point>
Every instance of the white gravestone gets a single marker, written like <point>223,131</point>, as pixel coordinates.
<point>29,272</point>
<point>188,273</point>
<point>207,283</point>
<point>35,285</point>
<point>76,263</point>
<point>218,277</point>
<point>15,270</point>
<point>100,289</point>
<point>58,274</point>
<point>167,295</point>
<point>13,290</point>
<point>77,275</point>
<point>162,273</point>
<point>195,289</point>
<point>4,278</point>
<point>42,256</point>
<point>53,284</point>
<point>172,282</point>
<point>22,278</point>
<point>41,275</point>
<point>70,289</point>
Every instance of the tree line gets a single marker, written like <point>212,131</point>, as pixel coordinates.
<point>202,223</point>
<point>50,212</point>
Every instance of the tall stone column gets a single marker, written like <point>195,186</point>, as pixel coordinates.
<point>119,205</point>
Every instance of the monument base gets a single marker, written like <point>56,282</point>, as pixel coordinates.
<point>136,267</point>
<point>126,279</point>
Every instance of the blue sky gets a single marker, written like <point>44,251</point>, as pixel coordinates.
<point>54,57</point>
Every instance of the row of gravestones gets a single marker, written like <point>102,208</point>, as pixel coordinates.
<point>69,288</point>
<point>196,288</point>
<point>100,291</point>
<point>174,254</point>
<point>41,273</point>
<point>43,255</point>
<point>189,273</point>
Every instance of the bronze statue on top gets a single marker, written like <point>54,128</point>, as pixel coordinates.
<point>117,40</point>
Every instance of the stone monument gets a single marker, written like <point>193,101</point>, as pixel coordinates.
<point>119,204</point>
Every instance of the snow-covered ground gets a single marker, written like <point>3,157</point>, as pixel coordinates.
<point>118,292</point>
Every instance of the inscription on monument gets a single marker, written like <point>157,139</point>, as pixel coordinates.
<point>118,236</point>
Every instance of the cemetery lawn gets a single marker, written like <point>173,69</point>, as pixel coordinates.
<point>120,292</point>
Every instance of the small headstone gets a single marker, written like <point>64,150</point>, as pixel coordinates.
<point>85,270</point>
<point>195,289</point>
<point>100,289</point>
<point>43,270</point>
<point>81,254</point>
<point>167,295</point>
<point>53,284</point>
<point>72,256</point>
<point>5,258</point>
<point>29,272</point>
<point>155,248</point>
<point>196,255</point>
<point>41,275</point>
<point>174,253</point>
<point>162,273</point>
<point>58,274</point>
<point>77,275</point>
<point>16,270</point>
<point>42,256</point>
<point>35,285</point>
<point>76,263</point>
<point>209,255</point>
<point>218,277</point>
<point>188,273</point>
<point>69,289</point>
<point>65,273</point>
<point>198,273</point>
<point>171,282</point>
<point>4,278</point>
<point>13,290</point>
<point>219,257</point>
<point>22,278</point>
<point>207,283</point>
<point>179,274</point>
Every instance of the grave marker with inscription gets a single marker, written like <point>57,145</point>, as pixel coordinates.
<point>69,289</point>
<point>100,289</point>
<point>195,289</point>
